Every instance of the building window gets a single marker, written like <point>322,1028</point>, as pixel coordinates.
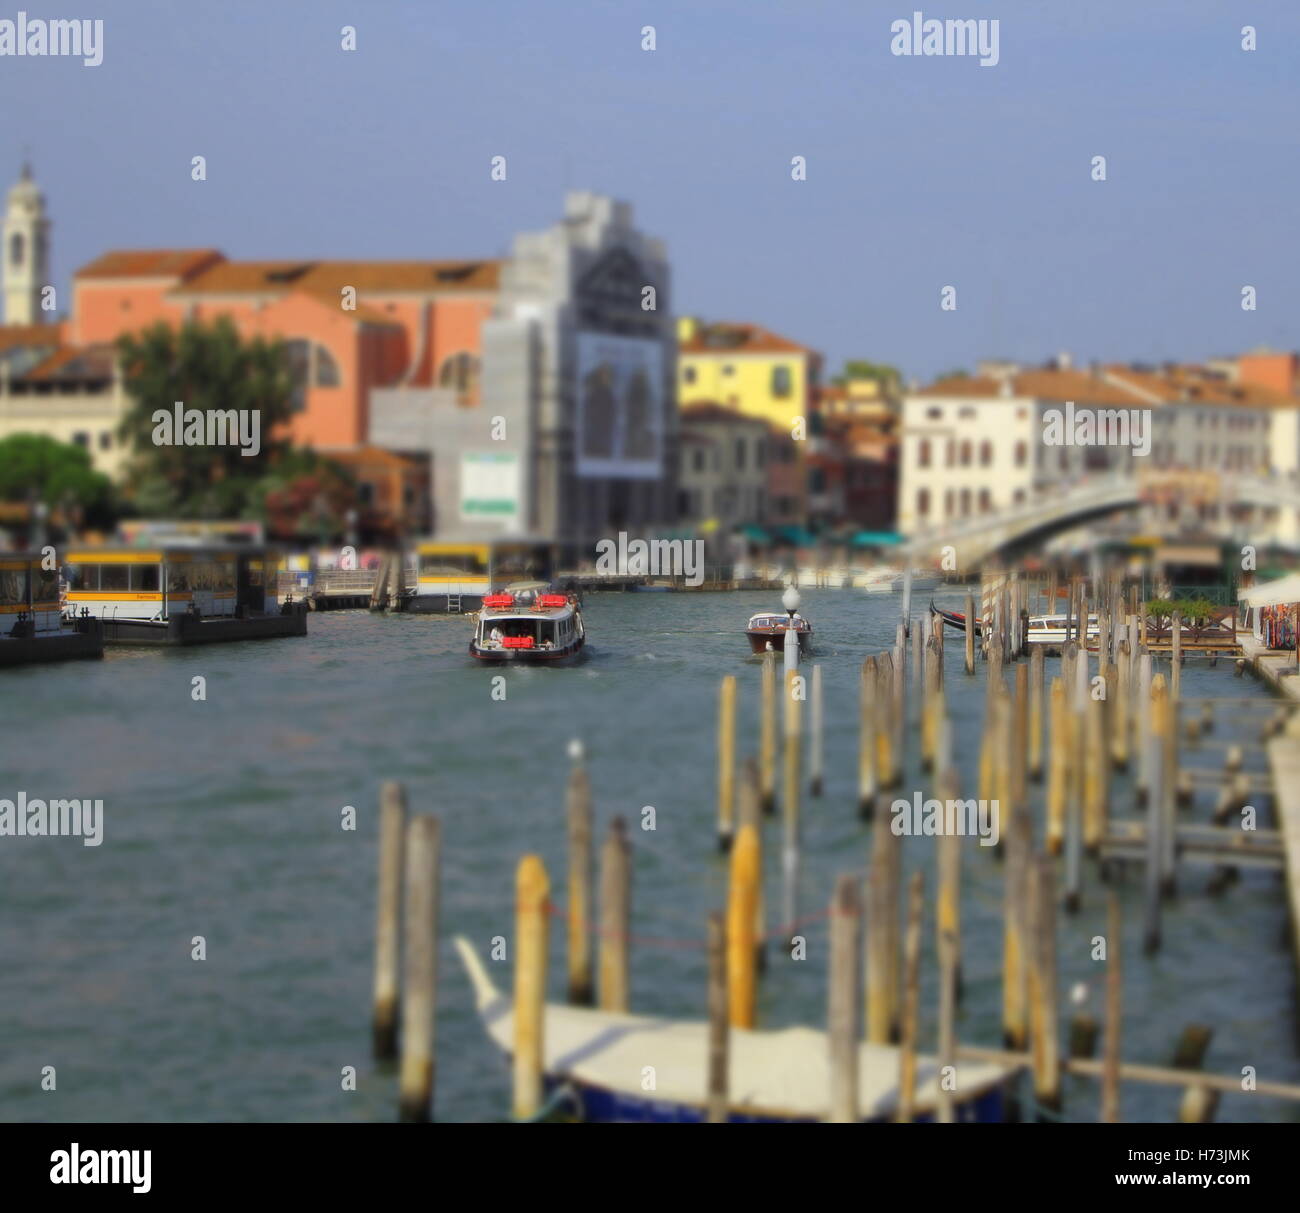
<point>965,503</point>
<point>728,369</point>
<point>699,459</point>
<point>17,250</point>
<point>965,454</point>
<point>923,453</point>
<point>740,454</point>
<point>923,502</point>
<point>966,413</point>
<point>105,440</point>
<point>986,453</point>
<point>327,370</point>
<point>1022,453</point>
<point>782,381</point>
<point>82,439</point>
<point>986,501</point>
<point>688,374</point>
<point>934,414</point>
<point>459,372</point>
<point>948,503</point>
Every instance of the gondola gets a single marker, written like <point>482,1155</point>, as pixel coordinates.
<point>956,619</point>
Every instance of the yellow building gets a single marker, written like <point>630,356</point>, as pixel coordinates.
<point>745,368</point>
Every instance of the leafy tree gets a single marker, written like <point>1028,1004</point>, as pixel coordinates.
<point>203,367</point>
<point>860,368</point>
<point>35,467</point>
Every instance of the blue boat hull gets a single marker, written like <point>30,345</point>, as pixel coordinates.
<point>601,1105</point>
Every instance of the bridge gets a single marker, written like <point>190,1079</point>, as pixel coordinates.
<point>1058,506</point>
<point>1052,508</point>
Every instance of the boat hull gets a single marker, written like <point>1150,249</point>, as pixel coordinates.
<point>956,620</point>
<point>599,1105</point>
<point>527,656</point>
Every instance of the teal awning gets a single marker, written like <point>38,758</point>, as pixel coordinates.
<point>873,539</point>
<point>756,534</point>
<point>797,536</point>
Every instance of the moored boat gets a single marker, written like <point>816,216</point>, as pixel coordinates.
<point>781,1075</point>
<point>528,625</point>
<point>956,619</point>
<point>1051,630</point>
<point>178,593</point>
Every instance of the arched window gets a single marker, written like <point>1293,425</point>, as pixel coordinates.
<point>1021,453</point>
<point>923,502</point>
<point>17,250</point>
<point>986,453</point>
<point>923,453</point>
<point>459,371</point>
<point>965,454</point>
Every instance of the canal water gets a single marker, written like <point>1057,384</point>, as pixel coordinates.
<point>223,820</point>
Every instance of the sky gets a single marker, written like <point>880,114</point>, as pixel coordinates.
<point>922,172</point>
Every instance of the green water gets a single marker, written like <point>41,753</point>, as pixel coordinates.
<point>222,819</point>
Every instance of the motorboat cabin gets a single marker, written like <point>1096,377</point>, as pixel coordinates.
<point>767,630</point>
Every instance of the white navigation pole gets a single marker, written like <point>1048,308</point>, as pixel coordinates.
<point>790,600</point>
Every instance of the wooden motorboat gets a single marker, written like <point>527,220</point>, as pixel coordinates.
<point>531,626</point>
<point>767,630</point>
<point>782,1075</point>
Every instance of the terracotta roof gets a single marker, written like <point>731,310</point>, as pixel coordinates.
<point>330,277</point>
<point>74,363</point>
<point>370,456</point>
<point>1194,385</point>
<point>739,339</point>
<point>150,263</point>
<point>1044,384</point>
<point>34,336</point>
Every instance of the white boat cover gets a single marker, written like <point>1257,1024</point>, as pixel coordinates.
<point>783,1073</point>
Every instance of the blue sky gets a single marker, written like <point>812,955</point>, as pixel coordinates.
<point>922,172</point>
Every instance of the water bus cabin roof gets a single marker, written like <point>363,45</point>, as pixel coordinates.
<point>176,551</point>
<point>542,606</point>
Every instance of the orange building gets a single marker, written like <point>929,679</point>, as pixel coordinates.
<point>349,325</point>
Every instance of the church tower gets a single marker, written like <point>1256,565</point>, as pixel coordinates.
<point>26,252</point>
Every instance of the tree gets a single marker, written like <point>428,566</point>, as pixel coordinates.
<point>35,467</point>
<point>202,367</point>
<point>859,368</point>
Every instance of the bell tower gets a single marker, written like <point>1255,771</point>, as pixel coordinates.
<point>25,255</point>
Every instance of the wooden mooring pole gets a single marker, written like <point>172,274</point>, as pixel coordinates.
<point>419,970</point>
<point>842,1012</point>
<point>726,761</point>
<point>392,833</point>
<point>532,891</point>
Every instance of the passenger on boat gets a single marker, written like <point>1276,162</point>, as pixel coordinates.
<point>495,635</point>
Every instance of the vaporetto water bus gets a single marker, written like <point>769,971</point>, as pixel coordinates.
<point>454,576</point>
<point>32,626</point>
<point>528,624</point>
<point>181,593</point>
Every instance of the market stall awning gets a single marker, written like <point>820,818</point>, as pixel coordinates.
<point>756,534</point>
<point>1272,593</point>
<point>872,539</point>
